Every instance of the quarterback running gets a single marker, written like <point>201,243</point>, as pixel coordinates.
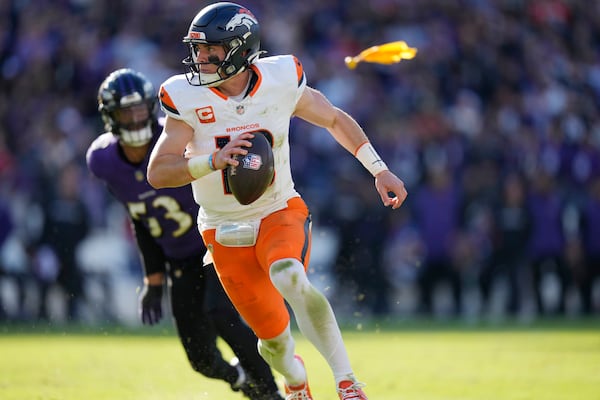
<point>261,250</point>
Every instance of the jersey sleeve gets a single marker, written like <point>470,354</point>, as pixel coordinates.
<point>90,160</point>
<point>301,78</point>
<point>167,104</point>
<point>95,155</point>
<point>151,255</point>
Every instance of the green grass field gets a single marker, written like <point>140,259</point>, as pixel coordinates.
<point>415,362</point>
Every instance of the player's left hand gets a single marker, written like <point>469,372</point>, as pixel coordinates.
<point>385,183</point>
<point>151,304</point>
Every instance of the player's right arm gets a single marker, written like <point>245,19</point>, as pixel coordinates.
<point>151,255</point>
<point>167,166</point>
<point>153,264</point>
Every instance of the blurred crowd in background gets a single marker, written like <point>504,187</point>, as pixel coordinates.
<point>494,127</point>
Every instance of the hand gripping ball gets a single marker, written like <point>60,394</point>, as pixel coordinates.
<point>251,178</point>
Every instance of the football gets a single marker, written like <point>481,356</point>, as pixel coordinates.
<point>249,180</point>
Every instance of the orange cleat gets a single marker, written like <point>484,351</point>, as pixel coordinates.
<point>351,390</point>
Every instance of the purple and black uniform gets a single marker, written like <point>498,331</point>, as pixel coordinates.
<point>164,221</point>
<point>169,214</point>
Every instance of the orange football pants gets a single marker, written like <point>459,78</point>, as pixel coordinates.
<point>244,271</point>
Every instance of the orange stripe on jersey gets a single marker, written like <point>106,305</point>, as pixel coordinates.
<point>166,101</point>
<point>218,93</point>
<point>299,71</point>
<point>258,81</point>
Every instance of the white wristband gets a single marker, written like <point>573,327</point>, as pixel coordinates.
<point>199,166</point>
<point>369,158</point>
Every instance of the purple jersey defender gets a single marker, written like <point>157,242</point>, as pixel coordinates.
<point>168,214</point>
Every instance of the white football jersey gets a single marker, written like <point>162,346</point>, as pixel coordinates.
<point>216,119</point>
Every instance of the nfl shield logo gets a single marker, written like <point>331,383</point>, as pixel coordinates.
<point>252,161</point>
<point>240,109</point>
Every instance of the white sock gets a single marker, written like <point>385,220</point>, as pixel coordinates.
<point>279,354</point>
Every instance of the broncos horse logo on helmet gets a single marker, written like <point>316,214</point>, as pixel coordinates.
<point>244,17</point>
<point>223,24</point>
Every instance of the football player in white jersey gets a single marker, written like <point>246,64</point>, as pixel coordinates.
<point>261,250</point>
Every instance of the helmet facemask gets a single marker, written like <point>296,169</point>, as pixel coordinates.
<point>232,64</point>
<point>127,103</point>
<point>134,124</point>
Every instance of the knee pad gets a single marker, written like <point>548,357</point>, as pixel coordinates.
<point>288,276</point>
<point>276,347</point>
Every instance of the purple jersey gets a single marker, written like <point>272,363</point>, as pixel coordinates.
<point>169,214</point>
